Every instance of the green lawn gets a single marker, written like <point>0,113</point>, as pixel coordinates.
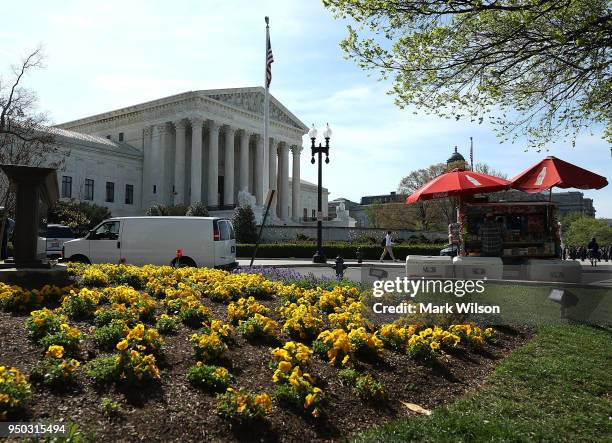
<point>556,388</point>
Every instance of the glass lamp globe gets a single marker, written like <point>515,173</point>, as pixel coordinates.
<point>313,132</point>
<point>328,132</point>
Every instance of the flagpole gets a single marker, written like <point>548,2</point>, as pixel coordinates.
<point>471,154</point>
<point>266,129</point>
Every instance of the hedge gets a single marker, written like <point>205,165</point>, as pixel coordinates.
<point>369,252</point>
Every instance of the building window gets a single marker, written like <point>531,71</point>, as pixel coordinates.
<point>154,189</point>
<point>89,189</point>
<point>305,213</point>
<point>129,194</point>
<point>66,186</point>
<point>110,192</point>
<point>108,136</point>
<point>121,136</point>
<point>314,214</point>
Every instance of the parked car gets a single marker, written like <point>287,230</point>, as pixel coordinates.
<point>450,251</point>
<point>57,235</point>
<point>202,241</point>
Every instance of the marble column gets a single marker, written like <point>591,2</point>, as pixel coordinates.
<point>228,179</point>
<point>196,159</point>
<point>213,164</point>
<point>244,160</point>
<point>272,174</point>
<point>179,162</point>
<point>156,162</point>
<point>284,171</point>
<point>295,183</point>
<point>259,171</point>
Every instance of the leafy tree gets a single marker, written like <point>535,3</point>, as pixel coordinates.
<point>156,210</point>
<point>159,210</point>
<point>197,209</point>
<point>583,229</point>
<point>25,138</point>
<point>438,213</point>
<point>244,225</point>
<point>79,216</point>
<point>536,67</point>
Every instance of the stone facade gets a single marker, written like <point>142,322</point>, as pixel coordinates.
<point>199,146</point>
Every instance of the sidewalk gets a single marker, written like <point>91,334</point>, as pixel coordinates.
<point>307,263</point>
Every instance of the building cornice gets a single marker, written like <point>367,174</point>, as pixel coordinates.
<point>185,105</point>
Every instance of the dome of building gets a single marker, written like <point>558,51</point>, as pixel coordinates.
<point>455,157</point>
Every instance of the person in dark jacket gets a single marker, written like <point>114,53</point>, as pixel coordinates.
<point>593,249</point>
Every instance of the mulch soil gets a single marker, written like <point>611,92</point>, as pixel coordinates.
<point>174,410</point>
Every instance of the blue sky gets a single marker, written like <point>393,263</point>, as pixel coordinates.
<point>110,54</point>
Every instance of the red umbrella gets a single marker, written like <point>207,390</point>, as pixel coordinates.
<point>555,172</point>
<point>458,183</point>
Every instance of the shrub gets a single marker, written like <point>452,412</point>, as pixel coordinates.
<point>115,312</point>
<point>136,369</point>
<point>349,375</point>
<point>141,305</point>
<point>208,347</point>
<point>335,344</point>
<point>93,276</point>
<point>297,388</point>
<point>365,344</point>
<point>243,406</point>
<point>107,336</point>
<point>245,229</point>
<point>259,327</point>
<point>167,324</point>
<point>44,322</point>
<point>81,305</point>
<point>394,336</point>
<point>17,299</point>
<point>79,216</point>
<point>102,369</point>
<point>471,334</point>
<point>142,339</point>
<point>303,321</point>
<point>69,337</point>
<point>212,378</point>
<point>15,392</point>
<point>295,354</point>
<point>110,407</point>
<point>53,369</point>
<point>369,388</point>
<point>244,308</point>
<point>197,209</point>
<point>189,309</point>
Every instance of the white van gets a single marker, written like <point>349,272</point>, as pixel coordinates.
<point>203,241</point>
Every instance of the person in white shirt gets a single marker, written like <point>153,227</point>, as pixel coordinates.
<point>387,247</point>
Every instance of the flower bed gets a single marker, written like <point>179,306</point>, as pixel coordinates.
<point>213,349</point>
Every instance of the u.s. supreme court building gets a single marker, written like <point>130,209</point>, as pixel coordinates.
<point>200,146</point>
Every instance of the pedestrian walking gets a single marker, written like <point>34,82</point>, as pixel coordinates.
<point>593,249</point>
<point>387,245</point>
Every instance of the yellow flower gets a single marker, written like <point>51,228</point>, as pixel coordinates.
<point>284,366</point>
<point>122,345</point>
<point>55,351</point>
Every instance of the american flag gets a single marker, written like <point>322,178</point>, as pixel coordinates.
<point>269,61</point>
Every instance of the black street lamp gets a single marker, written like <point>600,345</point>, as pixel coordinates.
<point>319,256</point>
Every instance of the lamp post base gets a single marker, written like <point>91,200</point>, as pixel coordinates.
<point>319,257</point>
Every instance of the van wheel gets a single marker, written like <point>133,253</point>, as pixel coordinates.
<point>183,262</point>
<point>79,259</point>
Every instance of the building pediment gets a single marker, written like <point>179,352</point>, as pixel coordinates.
<point>252,100</point>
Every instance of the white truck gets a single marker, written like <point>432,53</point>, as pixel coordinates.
<point>187,241</point>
